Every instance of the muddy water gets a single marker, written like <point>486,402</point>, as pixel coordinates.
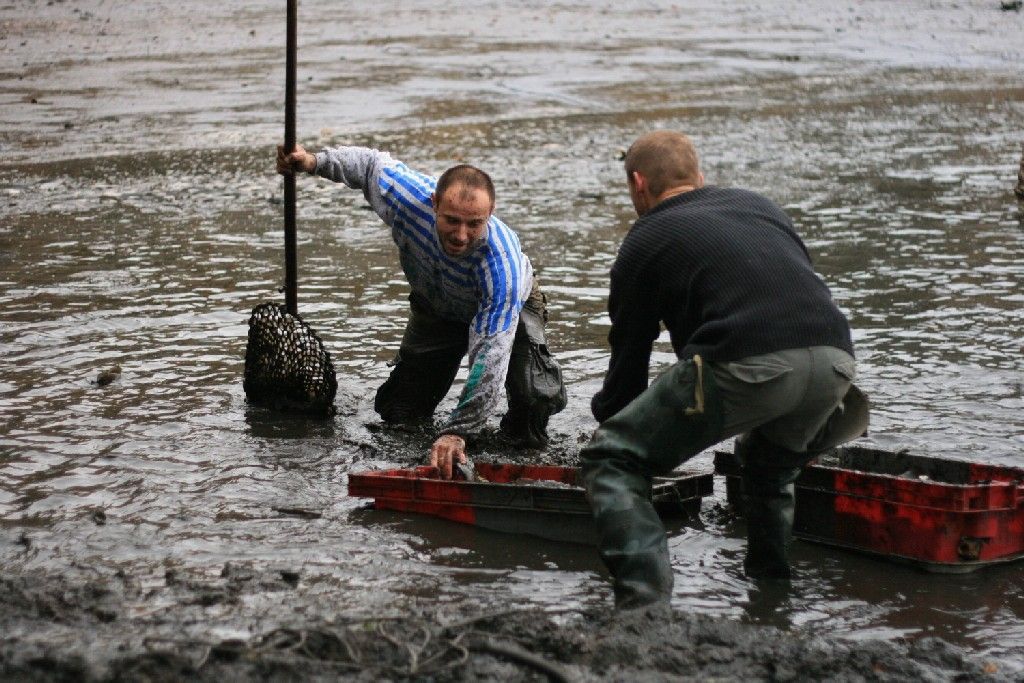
<point>140,222</point>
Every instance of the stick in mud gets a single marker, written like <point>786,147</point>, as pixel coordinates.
<point>522,656</point>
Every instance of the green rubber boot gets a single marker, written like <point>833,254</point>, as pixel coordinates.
<point>631,539</point>
<point>768,499</point>
<point>678,416</point>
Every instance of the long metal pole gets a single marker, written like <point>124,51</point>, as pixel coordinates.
<point>291,284</point>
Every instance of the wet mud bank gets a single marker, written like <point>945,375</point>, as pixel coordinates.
<point>112,628</point>
<point>158,527</point>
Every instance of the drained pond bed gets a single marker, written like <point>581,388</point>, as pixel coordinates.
<point>100,629</point>
<point>155,526</point>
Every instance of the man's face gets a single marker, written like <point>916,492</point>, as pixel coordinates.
<point>462,215</point>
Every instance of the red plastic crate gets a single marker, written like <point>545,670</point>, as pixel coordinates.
<point>504,502</point>
<point>942,515</point>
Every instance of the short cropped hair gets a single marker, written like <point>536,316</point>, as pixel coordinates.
<point>665,158</point>
<point>469,176</point>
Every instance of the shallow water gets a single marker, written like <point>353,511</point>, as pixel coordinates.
<point>143,233</point>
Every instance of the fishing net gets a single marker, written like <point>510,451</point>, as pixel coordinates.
<point>286,365</point>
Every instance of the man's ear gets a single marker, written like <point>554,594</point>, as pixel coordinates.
<point>637,180</point>
<point>700,180</point>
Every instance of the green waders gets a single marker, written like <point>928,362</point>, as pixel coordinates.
<point>678,416</point>
<point>799,397</point>
<point>769,473</point>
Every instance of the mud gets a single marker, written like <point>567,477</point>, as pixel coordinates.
<point>56,629</point>
<point>276,621</point>
<point>545,483</point>
<point>158,527</point>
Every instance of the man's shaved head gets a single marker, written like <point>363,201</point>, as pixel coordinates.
<point>468,177</point>
<point>665,158</point>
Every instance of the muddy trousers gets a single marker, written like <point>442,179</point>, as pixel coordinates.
<point>432,350</point>
<point>779,402</point>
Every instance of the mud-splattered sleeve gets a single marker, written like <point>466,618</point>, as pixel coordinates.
<point>505,277</point>
<point>488,364</point>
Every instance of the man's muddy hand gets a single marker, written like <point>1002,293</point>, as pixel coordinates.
<point>298,160</point>
<point>447,449</point>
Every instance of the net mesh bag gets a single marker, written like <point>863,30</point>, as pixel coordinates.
<point>286,365</point>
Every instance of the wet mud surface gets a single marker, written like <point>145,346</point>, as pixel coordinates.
<point>85,631</point>
<point>155,527</point>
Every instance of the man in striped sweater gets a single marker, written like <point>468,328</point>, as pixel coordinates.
<point>763,353</point>
<point>473,293</point>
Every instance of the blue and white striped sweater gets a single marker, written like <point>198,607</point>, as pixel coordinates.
<point>485,289</point>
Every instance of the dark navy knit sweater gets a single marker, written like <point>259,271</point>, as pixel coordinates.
<point>726,273</point>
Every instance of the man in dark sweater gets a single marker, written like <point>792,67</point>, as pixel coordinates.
<point>763,351</point>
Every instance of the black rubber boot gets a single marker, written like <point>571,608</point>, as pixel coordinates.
<point>768,499</point>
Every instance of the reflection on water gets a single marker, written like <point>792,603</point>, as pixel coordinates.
<point>153,261</point>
